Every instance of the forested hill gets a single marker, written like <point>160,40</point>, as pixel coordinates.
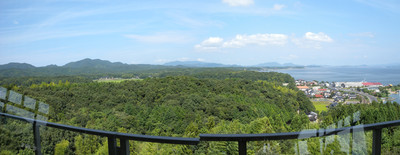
<point>181,106</point>
<point>227,99</point>
<point>183,103</point>
<point>88,70</point>
<point>98,68</point>
<point>82,67</point>
<point>16,66</point>
<point>93,67</point>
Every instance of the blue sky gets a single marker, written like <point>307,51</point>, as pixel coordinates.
<point>244,32</point>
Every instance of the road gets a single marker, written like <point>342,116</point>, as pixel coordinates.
<point>370,97</point>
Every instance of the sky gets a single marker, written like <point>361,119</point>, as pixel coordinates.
<point>243,32</point>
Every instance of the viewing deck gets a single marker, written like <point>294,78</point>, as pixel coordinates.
<point>242,139</point>
<point>34,112</point>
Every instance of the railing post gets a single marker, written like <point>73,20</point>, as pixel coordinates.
<point>112,145</point>
<point>376,144</point>
<point>242,147</point>
<point>124,147</point>
<point>36,138</point>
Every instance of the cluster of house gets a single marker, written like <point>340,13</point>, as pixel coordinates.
<point>338,96</point>
<point>369,85</point>
<point>329,90</point>
<point>315,89</point>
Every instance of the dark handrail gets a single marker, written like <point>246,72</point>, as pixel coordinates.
<point>242,139</point>
<point>294,135</point>
<point>137,137</point>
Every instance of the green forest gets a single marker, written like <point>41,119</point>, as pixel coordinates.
<point>184,102</point>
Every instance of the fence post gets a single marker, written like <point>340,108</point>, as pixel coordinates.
<point>242,147</point>
<point>124,146</point>
<point>376,141</point>
<point>112,145</point>
<point>36,138</point>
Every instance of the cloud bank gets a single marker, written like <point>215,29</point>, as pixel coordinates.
<point>256,39</point>
<point>238,2</point>
<point>239,41</point>
<point>211,43</point>
<point>318,37</point>
<point>278,7</point>
<point>309,40</point>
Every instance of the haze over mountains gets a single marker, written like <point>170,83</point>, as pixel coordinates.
<point>102,64</point>
<point>85,66</point>
<point>97,63</point>
<point>85,63</point>
<point>275,64</point>
<point>197,64</point>
<point>97,66</point>
<point>16,66</point>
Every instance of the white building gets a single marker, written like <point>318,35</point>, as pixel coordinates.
<point>349,84</point>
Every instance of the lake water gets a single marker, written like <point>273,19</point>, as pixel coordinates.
<point>396,97</point>
<point>384,75</point>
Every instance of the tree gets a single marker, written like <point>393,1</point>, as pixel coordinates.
<point>61,147</point>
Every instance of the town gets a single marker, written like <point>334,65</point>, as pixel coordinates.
<point>326,95</point>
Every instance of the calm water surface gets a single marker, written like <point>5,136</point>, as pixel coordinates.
<point>384,75</point>
<point>396,97</point>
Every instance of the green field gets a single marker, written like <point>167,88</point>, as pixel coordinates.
<point>321,105</point>
<point>115,80</point>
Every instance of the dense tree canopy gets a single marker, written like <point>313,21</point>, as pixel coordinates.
<point>181,104</point>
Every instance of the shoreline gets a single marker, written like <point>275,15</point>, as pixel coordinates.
<point>350,74</point>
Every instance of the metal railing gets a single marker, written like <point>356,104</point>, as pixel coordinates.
<point>111,136</point>
<point>242,139</point>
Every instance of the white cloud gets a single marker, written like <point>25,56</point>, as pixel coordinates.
<point>201,59</point>
<point>312,40</point>
<point>184,59</point>
<point>164,37</point>
<point>322,37</point>
<point>238,2</point>
<point>211,43</point>
<point>304,43</point>
<point>214,43</point>
<point>278,7</point>
<point>257,39</point>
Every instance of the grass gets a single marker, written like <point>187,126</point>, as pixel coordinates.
<point>321,105</point>
<point>115,80</point>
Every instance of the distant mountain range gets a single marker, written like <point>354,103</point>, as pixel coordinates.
<point>206,64</point>
<point>16,66</point>
<point>103,64</point>
<point>275,64</point>
<point>85,66</point>
<point>95,63</point>
<point>197,64</point>
<point>85,63</point>
<point>98,64</point>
